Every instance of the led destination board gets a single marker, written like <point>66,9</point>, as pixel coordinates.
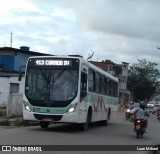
<point>53,62</point>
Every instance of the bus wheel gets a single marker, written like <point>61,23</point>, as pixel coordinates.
<point>105,122</point>
<point>84,126</point>
<point>108,116</point>
<point>44,124</point>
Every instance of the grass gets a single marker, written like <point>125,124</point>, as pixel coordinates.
<point>5,122</point>
<point>19,122</point>
<point>3,113</point>
<point>14,121</point>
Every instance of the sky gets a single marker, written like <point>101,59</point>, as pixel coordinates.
<point>117,30</point>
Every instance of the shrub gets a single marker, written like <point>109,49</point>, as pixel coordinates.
<point>2,113</point>
<point>19,122</point>
<point>5,122</point>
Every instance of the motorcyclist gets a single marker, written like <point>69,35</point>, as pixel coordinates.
<point>131,105</point>
<point>141,113</point>
<point>158,111</point>
<point>127,111</point>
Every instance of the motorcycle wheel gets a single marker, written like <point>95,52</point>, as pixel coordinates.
<point>141,134</point>
<point>138,134</point>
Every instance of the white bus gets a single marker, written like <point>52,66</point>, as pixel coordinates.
<point>68,89</point>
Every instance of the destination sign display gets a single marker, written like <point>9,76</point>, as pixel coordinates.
<point>51,62</point>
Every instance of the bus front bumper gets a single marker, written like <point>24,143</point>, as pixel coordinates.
<point>62,118</point>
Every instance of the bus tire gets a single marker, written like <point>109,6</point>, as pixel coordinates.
<point>108,116</point>
<point>44,124</point>
<point>105,122</point>
<point>84,126</point>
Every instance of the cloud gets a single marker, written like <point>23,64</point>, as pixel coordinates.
<point>116,30</point>
<point>125,18</point>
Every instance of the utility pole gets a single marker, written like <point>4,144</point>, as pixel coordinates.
<point>11,40</point>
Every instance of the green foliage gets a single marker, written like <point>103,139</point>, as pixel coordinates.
<point>2,114</point>
<point>5,122</point>
<point>108,61</point>
<point>142,79</point>
<point>18,122</point>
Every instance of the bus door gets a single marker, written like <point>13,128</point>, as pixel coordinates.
<point>83,90</point>
<point>83,94</point>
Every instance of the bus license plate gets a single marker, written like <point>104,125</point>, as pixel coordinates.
<point>47,119</point>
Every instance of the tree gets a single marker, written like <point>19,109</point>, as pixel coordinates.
<point>108,61</point>
<point>142,78</point>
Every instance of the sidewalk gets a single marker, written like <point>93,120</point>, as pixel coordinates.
<point>7,123</point>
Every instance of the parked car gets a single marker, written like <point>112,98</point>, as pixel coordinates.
<point>150,104</point>
<point>153,105</point>
<point>157,101</point>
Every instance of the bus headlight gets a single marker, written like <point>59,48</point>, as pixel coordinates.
<point>26,107</point>
<point>72,109</point>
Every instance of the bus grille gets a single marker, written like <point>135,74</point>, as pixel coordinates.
<point>53,117</point>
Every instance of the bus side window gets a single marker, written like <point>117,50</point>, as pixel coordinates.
<point>107,86</point>
<point>83,84</point>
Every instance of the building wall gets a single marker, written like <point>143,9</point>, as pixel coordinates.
<point>123,77</point>
<point>12,58</point>
<point>5,88</point>
<point>21,59</point>
<point>8,61</point>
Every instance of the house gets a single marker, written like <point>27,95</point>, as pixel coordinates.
<point>120,71</point>
<point>11,59</point>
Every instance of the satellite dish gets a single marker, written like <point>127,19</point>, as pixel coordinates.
<point>91,55</point>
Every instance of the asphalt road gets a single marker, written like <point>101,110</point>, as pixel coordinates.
<point>118,132</point>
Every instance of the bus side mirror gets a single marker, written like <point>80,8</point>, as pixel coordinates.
<point>20,76</point>
<point>21,72</point>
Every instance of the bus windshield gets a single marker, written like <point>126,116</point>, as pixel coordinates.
<point>51,84</point>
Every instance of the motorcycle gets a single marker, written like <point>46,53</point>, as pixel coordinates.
<point>158,116</point>
<point>140,127</point>
<point>128,114</point>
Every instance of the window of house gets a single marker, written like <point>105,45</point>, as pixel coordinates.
<point>14,87</point>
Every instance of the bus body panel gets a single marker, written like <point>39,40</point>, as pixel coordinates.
<point>66,117</point>
<point>100,104</point>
